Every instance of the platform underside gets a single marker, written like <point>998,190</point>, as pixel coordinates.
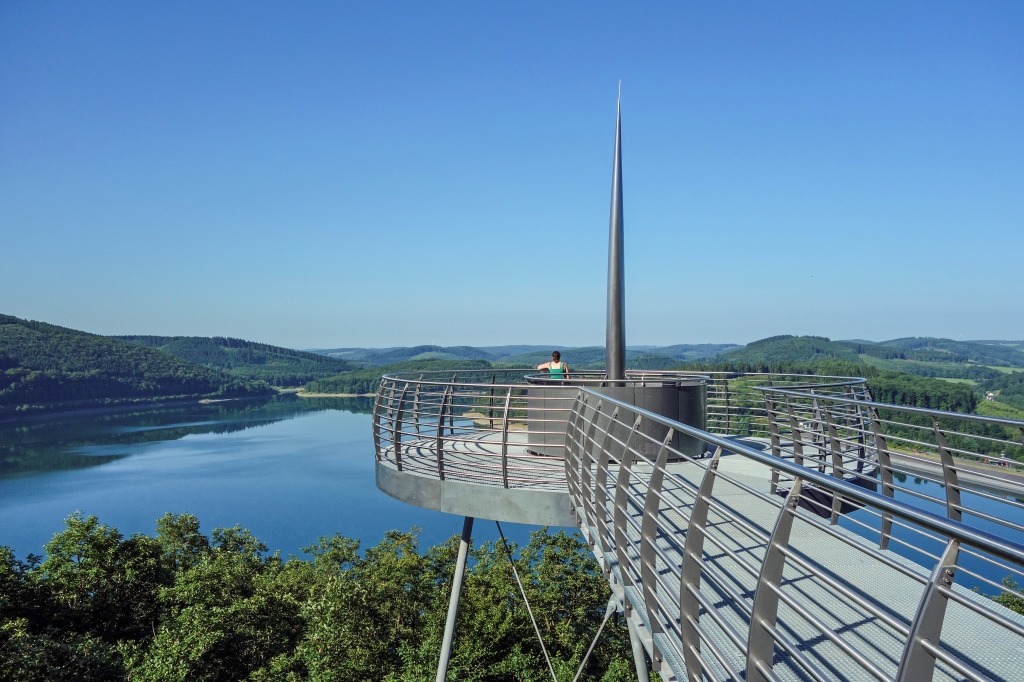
<point>474,480</point>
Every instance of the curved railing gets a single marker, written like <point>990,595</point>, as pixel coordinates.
<point>970,460</point>
<point>780,563</point>
<point>727,580</point>
<point>484,425</point>
<point>472,426</point>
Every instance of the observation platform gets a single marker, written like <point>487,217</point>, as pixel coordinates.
<point>783,550</point>
<point>533,491</point>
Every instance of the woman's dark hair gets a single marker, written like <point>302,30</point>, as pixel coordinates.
<point>557,356</point>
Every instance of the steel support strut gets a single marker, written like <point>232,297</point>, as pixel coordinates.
<point>453,602</point>
<point>639,656</point>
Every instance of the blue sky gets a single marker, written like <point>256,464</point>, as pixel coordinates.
<point>378,174</point>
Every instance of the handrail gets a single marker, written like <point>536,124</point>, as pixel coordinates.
<point>741,596</point>
<point>975,536</point>
<point>759,576</point>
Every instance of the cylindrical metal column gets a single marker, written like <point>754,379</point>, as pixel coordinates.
<point>639,657</point>
<point>453,602</point>
<point>615,331</point>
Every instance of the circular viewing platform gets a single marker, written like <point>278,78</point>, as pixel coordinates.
<point>750,525</point>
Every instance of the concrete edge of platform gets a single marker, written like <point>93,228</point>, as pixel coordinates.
<point>513,505</point>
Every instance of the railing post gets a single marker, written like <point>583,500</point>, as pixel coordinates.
<point>885,473</point>
<point>586,462</point>
<point>571,454</point>
<point>794,428</point>
<point>451,406</point>
<point>649,536</point>
<point>490,405</point>
<point>416,406</point>
<point>917,664</point>
<point>861,428</point>
<point>949,475</point>
<point>836,447</point>
<point>396,439</point>
<point>376,421</point>
<point>504,438</point>
<point>817,432</point>
<point>689,582</point>
<point>439,445</point>
<point>601,486</point>
<point>728,411</point>
<point>765,611</point>
<point>619,522</point>
<point>773,432</point>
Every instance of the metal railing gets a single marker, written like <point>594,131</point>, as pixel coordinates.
<point>735,582</point>
<point>782,563</point>
<point>478,426</point>
<point>964,456</point>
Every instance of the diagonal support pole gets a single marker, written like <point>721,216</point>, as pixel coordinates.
<point>453,602</point>
<point>639,656</point>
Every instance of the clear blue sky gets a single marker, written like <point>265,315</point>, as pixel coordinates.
<point>322,175</point>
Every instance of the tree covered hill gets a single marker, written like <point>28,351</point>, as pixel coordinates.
<point>43,366</point>
<point>647,357</point>
<point>592,357</point>
<point>947,350</point>
<point>790,349</point>
<point>367,380</point>
<point>922,356</point>
<point>247,359</point>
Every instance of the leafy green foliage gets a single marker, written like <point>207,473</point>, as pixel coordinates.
<point>928,349</point>
<point>994,408</point>
<point>367,380</point>
<point>186,606</point>
<point>591,357</point>
<point>42,365</point>
<point>791,349</point>
<point>913,391</point>
<point>920,356</point>
<point>1009,388</point>
<point>248,359</point>
<point>1013,597</point>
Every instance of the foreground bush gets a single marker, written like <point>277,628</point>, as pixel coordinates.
<point>186,606</point>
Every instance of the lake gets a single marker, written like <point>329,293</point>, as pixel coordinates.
<point>289,469</point>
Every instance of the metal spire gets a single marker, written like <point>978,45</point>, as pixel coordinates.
<point>615,331</point>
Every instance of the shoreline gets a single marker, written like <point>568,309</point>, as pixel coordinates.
<point>65,410</point>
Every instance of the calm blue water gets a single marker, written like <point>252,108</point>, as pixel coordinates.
<point>288,469</point>
<point>985,505</point>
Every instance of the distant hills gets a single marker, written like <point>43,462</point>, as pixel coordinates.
<point>247,359</point>
<point>590,357</point>
<point>922,356</point>
<point>43,365</point>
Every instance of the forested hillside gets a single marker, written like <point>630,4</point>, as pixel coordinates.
<point>790,349</point>
<point>591,357</point>
<point>922,356</point>
<point>43,366</point>
<point>588,357</point>
<point>247,359</point>
<point>367,380</point>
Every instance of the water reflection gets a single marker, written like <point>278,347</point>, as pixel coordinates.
<point>87,439</point>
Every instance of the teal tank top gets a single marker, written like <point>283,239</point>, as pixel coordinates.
<point>557,373</point>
